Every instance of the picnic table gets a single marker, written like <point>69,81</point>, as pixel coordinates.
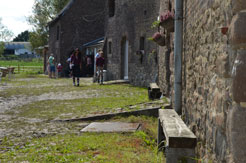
<point>4,71</point>
<point>7,70</point>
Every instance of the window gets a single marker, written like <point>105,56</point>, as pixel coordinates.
<point>111,7</point>
<point>57,33</point>
<point>142,40</point>
<point>109,47</point>
<point>145,12</point>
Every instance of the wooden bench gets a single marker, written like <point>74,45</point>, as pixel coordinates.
<point>175,137</point>
<point>154,91</point>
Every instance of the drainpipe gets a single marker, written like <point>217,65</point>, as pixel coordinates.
<point>178,48</point>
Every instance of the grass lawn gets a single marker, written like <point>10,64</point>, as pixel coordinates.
<point>33,100</point>
<point>92,147</point>
<point>33,62</point>
<point>34,66</point>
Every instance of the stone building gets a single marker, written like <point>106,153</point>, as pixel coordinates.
<point>130,55</point>
<point>213,73</point>
<point>80,21</point>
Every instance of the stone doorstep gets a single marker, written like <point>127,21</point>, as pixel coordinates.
<point>111,127</point>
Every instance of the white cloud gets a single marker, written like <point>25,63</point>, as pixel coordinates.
<point>14,14</point>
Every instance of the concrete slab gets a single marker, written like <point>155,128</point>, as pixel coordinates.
<point>111,127</point>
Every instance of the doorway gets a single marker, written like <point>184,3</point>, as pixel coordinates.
<point>124,58</point>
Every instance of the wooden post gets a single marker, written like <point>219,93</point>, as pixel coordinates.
<point>45,50</point>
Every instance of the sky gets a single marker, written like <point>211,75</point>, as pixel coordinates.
<point>14,14</point>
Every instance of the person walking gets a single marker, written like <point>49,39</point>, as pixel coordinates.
<point>100,61</point>
<point>95,60</point>
<point>76,65</point>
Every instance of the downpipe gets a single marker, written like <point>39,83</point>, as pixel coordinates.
<point>178,49</point>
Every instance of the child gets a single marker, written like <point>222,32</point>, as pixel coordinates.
<point>59,69</point>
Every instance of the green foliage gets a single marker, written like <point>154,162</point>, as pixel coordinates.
<point>38,39</point>
<point>155,24</point>
<point>22,37</point>
<point>1,48</point>
<point>5,33</point>
<point>150,39</point>
<point>43,12</point>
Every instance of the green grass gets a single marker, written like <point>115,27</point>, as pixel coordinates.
<point>91,147</point>
<point>64,142</point>
<point>34,62</point>
<point>109,97</point>
<point>35,66</point>
<point>88,147</point>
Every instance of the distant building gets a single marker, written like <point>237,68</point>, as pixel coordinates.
<point>80,22</point>
<point>129,52</point>
<point>18,48</point>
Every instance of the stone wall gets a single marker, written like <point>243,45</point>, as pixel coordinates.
<point>132,20</point>
<point>166,54</point>
<point>81,22</point>
<point>214,91</point>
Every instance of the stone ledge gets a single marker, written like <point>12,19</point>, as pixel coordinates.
<point>177,134</point>
<point>147,112</point>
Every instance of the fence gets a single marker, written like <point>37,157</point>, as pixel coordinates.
<point>25,69</point>
<point>28,69</point>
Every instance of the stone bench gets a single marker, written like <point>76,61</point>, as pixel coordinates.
<point>175,137</point>
<point>154,91</point>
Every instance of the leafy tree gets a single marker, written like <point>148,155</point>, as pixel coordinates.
<point>43,12</point>
<point>22,37</point>
<point>1,48</point>
<point>5,33</point>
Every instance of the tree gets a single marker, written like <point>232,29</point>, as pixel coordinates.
<point>43,12</point>
<point>5,33</point>
<point>22,37</point>
<point>1,48</point>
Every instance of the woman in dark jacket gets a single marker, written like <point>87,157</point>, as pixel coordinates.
<point>76,65</point>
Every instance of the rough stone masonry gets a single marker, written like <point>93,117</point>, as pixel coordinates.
<point>214,64</point>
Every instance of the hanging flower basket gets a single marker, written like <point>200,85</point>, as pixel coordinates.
<point>159,39</point>
<point>167,21</point>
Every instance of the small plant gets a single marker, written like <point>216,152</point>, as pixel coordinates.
<point>155,24</point>
<point>156,36</point>
<point>159,39</point>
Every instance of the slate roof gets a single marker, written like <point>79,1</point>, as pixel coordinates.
<point>94,42</point>
<point>17,45</point>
